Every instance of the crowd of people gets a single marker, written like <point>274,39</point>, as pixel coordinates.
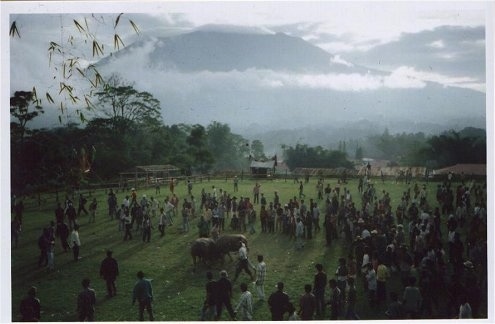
<point>381,241</point>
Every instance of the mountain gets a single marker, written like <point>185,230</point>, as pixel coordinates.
<point>223,51</point>
<point>278,82</point>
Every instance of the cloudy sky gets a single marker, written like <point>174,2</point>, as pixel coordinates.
<point>414,42</point>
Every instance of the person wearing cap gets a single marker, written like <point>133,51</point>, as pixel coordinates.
<point>109,270</point>
<point>143,293</point>
<point>30,307</point>
<point>224,295</point>
<point>278,303</point>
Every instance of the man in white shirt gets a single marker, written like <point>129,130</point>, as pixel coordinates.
<point>245,305</point>
<point>260,278</point>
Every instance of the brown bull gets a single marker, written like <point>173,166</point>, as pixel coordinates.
<point>230,243</point>
<point>205,250</point>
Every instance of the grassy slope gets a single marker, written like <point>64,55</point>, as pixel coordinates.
<point>178,291</point>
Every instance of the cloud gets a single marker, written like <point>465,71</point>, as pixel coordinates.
<point>437,44</point>
<point>405,72</point>
<point>338,60</point>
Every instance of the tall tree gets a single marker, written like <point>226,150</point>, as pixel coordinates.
<point>258,150</point>
<point>120,101</point>
<point>24,107</point>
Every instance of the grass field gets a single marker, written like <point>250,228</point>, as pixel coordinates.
<point>178,292</point>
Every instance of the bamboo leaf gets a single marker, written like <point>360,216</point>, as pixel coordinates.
<point>117,41</point>
<point>80,71</point>
<point>136,29</point>
<point>79,26</point>
<point>13,30</point>
<point>60,119</point>
<point>49,98</point>
<point>117,20</point>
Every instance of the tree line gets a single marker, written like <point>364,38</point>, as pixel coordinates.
<point>127,130</point>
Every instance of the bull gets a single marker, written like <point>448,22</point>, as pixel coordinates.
<point>205,250</point>
<point>230,243</point>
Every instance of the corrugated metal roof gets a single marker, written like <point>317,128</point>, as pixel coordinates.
<point>263,165</point>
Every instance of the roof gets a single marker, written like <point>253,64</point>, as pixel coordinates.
<point>270,164</point>
<point>468,169</point>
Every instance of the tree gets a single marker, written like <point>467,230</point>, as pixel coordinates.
<point>202,159</point>
<point>24,106</point>
<point>229,150</point>
<point>122,101</point>
<point>258,150</point>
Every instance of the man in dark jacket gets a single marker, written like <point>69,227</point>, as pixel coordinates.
<point>279,303</point>
<point>224,295</point>
<point>86,301</point>
<point>30,307</point>
<point>109,270</point>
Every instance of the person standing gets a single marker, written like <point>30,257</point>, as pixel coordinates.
<point>147,226</point>
<point>372,283</point>
<point>412,299</point>
<point>82,205</point>
<point>209,310</point>
<point>224,295</point>
<point>127,225</point>
<point>299,234</point>
<point>43,245</point>
<point>278,303</point>
<point>319,285</point>
<point>112,204</point>
<point>351,300</point>
<point>245,304</point>
<point>260,277</point>
<point>30,307</point>
<point>307,304</point>
<point>236,184</point>
<point>335,299</point>
<point>75,242</point>
<point>143,293</point>
<point>243,263</point>
<point>59,214</point>
<point>92,211</point>
<point>256,193</point>
<point>342,273</point>
<point>86,301</point>
<point>301,190</point>
<point>109,270</point>
<point>161,222</point>
<point>382,274</point>
<point>71,215</point>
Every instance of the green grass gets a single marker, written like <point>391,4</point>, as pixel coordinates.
<point>179,293</point>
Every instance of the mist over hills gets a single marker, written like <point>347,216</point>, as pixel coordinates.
<point>274,86</point>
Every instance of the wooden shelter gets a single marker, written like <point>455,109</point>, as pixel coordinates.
<point>262,169</point>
